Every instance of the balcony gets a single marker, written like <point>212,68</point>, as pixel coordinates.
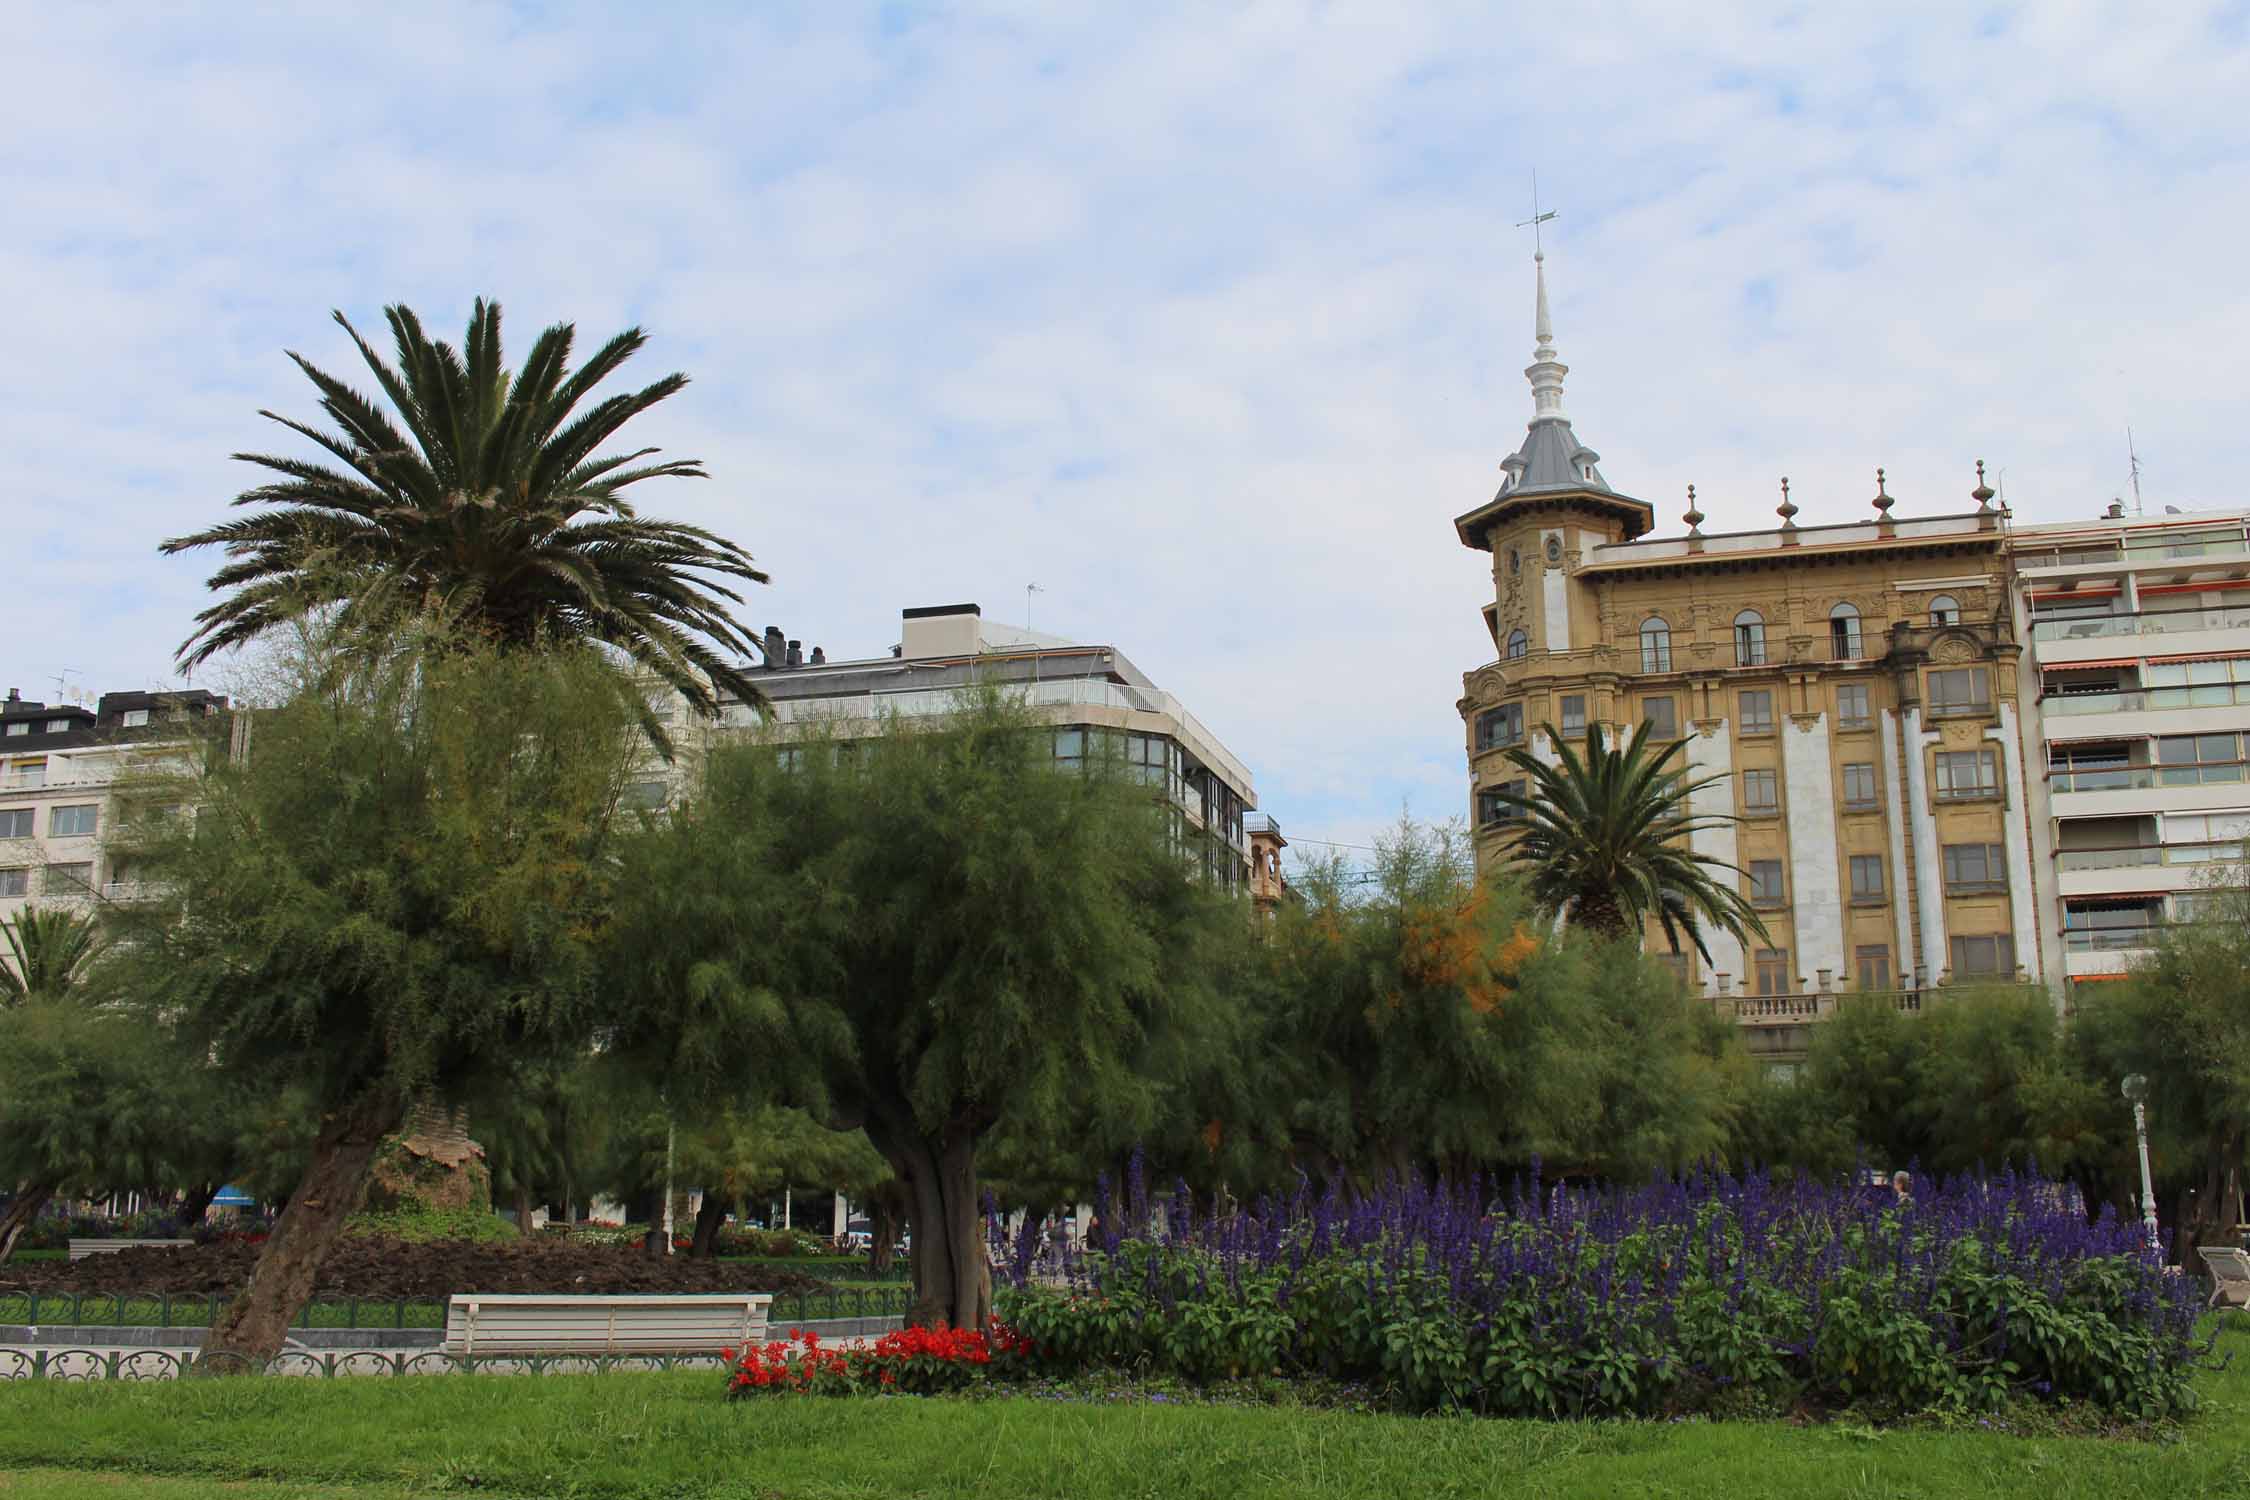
<point>2111,939</point>
<point>2136,856</point>
<point>2148,700</point>
<point>2147,622</point>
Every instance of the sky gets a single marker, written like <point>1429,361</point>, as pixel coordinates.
<point>1206,319</point>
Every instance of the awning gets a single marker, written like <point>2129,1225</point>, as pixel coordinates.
<point>2088,666</point>
<point>2199,656</point>
<point>2096,591</point>
<point>2209,585</point>
<point>2097,978</point>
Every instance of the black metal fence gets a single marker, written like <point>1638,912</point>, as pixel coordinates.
<point>127,1310</point>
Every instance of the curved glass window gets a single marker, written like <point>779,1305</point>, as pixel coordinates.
<point>1945,610</point>
<point>1656,645</point>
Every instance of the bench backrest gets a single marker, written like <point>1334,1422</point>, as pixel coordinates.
<point>2226,1262</point>
<point>80,1249</point>
<point>531,1323</point>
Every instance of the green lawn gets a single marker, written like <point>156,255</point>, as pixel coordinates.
<point>671,1435</point>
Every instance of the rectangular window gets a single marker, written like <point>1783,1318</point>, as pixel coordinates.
<point>28,773</point>
<point>135,717</point>
<point>66,880</point>
<point>1757,712</point>
<point>1500,726</point>
<point>1656,650</point>
<point>1874,967</point>
<point>1859,784</point>
<point>21,726</point>
<point>73,822</point>
<point>16,822</point>
<point>1975,867</point>
<point>1960,690</point>
<point>15,882</point>
<point>2198,759</point>
<point>1967,773</point>
<point>1851,706</point>
<point>1760,791</point>
<point>1773,971</point>
<point>1844,638</point>
<point>1663,722</point>
<point>1574,713</point>
<point>1867,877</point>
<point>1984,957</point>
<point>1493,805</point>
<point>1765,883</point>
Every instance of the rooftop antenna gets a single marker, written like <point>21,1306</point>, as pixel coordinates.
<point>2136,469</point>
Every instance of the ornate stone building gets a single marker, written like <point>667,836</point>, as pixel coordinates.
<point>1858,681</point>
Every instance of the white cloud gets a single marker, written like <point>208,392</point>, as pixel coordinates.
<point>1208,320</point>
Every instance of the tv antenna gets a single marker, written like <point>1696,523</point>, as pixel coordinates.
<point>2135,460</point>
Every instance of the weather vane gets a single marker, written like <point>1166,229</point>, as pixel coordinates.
<point>1537,218</point>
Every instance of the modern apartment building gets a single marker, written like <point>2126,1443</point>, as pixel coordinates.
<point>58,765</point>
<point>2138,657</point>
<point>1096,699</point>
<point>1862,684</point>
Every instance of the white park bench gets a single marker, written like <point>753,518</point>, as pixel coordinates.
<point>479,1323</point>
<point>2230,1274</point>
<point>80,1249</point>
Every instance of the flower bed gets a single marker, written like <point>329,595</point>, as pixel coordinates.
<point>922,1361</point>
<point>1709,1295</point>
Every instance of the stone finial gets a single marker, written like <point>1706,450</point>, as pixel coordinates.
<point>1884,500</point>
<point>1982,494</point>
<point>1694,517</point>
<point>1787,509</point>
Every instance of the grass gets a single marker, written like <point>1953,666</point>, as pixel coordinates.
<point>671,1435</point>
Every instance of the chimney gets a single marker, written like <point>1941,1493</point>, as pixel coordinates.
<point>2116,511</point>
<point>14,696</point>
<point>773,648</point>
<point>819,656</point>
<point>796,653</point>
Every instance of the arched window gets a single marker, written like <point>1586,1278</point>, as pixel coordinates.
<point>1944,610</point>
<point>1518,644</point>
<point>1749,639</point>
<point>1656,645</point>
<point>1843,633</point>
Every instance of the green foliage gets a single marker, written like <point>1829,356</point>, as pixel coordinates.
<point>400,886</point>
<point>92,1097</point>
<point>423,1226</point>
<point>1606,837</point>
<point>50,950</point>
<point>1433,1024</point>
<point>490,510</point>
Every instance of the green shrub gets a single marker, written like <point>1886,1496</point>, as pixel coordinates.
<point>421,1226</point>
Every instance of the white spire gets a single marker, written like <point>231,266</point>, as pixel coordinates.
<point>1546,372</point>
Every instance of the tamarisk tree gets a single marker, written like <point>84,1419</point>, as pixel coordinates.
<point>390,889</point>
<point>919,935</point>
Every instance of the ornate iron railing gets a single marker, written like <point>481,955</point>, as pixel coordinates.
<point>130,1310</point>
<point>177,1364</point>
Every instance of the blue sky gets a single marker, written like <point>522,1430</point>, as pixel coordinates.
<point>1207,319</point>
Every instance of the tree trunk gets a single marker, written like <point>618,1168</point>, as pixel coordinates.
<point>256,1322</point>
<point>30,1198</point>
<point>708,1220</point>
<point>952,1277</point>
<point>524,1226</point>
<point>882,1229</point>
<point>195,1203</point>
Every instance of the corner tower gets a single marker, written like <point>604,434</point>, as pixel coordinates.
<point>1552,508</point>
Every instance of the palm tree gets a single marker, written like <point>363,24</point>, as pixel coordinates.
<point>489,510</point>
<point>1606,839</point>
<point>49,953</point>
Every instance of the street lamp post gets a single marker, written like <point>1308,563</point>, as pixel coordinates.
<point>2135,1088</point>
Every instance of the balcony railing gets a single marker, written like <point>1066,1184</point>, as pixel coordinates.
<point>2138,700</point>
<point>1811,1005</point>
<point>2111,939</point>
<point>2137,856</point>
<point>2140,778</point>
<point>2147,622</point>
